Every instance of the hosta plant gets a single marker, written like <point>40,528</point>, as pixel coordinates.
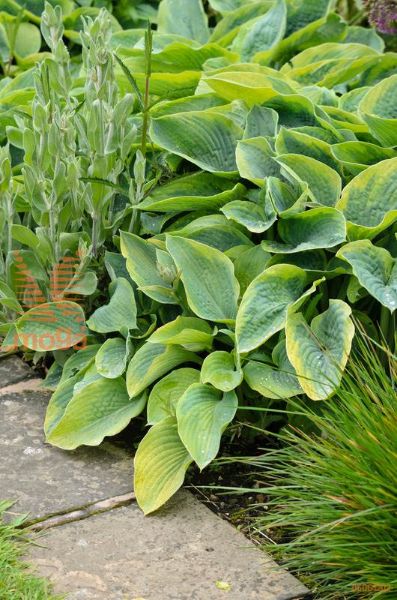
<point>222,193</point>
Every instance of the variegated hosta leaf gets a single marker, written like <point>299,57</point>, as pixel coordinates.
<point>254,217</point>
<point>151,362</point>
<point>261,33</point>
<point>79,361</point>
<point>52,326</point>
<point>111,359</point>
<point>357,156</point>
<point>263,308</point>
<point>290,141</point>
<point>101,408</point>
<point>256,160</point>
<point>261,122</point>
<point>120,313</point>
<point>378,108</point>
<point>191,333</point>
<point>58,403</point>
<point>207,139</point>
<point>369,201</point>
<point>375,269</point>
<point>324,183</point>
<point>203,414</point>
<point>319,352</point>
<point>219,370</point>
<point>166,393</point>
<point>160,465</point>
<point>200,191</point>
<point>208,277</point>
<point>187,19</point>
<point>315,228</point>
<point>249,264</point>
<point>142,265</point>
<point>214,231</point>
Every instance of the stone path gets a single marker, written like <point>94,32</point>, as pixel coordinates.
<point>96,543</point>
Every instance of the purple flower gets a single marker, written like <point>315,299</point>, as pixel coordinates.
<point>382,14</point>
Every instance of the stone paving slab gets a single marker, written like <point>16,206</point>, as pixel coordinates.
<point>45,480</point>
<point>13,370</point>
<point>178,553</point>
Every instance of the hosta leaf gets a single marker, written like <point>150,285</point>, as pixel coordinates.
<point>302,12</point>
<point>239,13</point>
<point>375,269</point>
<point>214,231</point>
<point>319,353</point>
<point>58,403</point>
<point>251,215</point>
<point>166,393</point>
<point>206,138</point>
<point>378,108</point>
<point>263,308</point>
<point>183,18</point>
<point>256,160</point>
<point>357,156</point>
<point>52,326</point>
<point>271,381</point>
<point>219,370</point>
<point>324,183</point>
<point>208,278</point>
<point>315,228</point>
<point>369,201</point>
<point>203,414</point>
<point>120,313</point>
<point>199,191</point>
<point>191,333</point>
<point>101,408</point>
<point>249,264</point>
<point>290,141</point>
<point>111,360</point>
<point>143,268</point>
<point>261,33</point>
<point>151,362</point>
<point>261,122</point>
<point>160,465</point>
<point>78,361</point>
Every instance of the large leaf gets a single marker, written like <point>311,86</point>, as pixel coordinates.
<point>207,139</point>
<point>120,313</point>
<point>203,413</point>
<point>315,228</point>
<point>144,269</point>
<point>256,160</point>
<point>166,393</point>
<point>290,141</point>
<point>208,277</point>
<point>319,353</point>
<point>219,370</point>
<point>160,465</point>
<point>324,183</point>
<point>52,326</point>
<point>183,18</point>
<point>375,269</point>
<point>378,108</point>
<point>151,362</point>
<point>191,333</point>
<point>99,409</point>
<point>261,33</point>
<point>111,359</point>
<point>369,201</point>
<point>254,217</point>
<point>357,156</point>
<point>263,308</point>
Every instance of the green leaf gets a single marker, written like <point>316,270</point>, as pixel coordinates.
<point>200,191</point>
<point>369,201</point>
<point>276,382</point>
<point>249,264</point>
<point>207,139</point>
<point>142,265</point>
<point>357,156</point>
<point>100,409</point>
<point>315,228</point>
<point>256,160</point>
<point>208,277</point>
<point>324,183</point>
<point>151,362</point>
<point>319,353</point>
<point>290,141</point>
<point>252,216</point>
<point>120,313</point>
<point>27,40</point>
<point>183,18</point>
<point>263,308</point>
<point>84,285</point>
<point>165,395</point>
<point>375,269</point>
<point>261,122</point>
<point>111,360</point>
<point>79,361</point>
<point>203,414</point>
<point>378,108</point>
<point>58,403</point>
<point>52,326</point>
<point>261,33</point>
<point>191,333</point>
<point>160,465</point>
<point>219,370</point>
